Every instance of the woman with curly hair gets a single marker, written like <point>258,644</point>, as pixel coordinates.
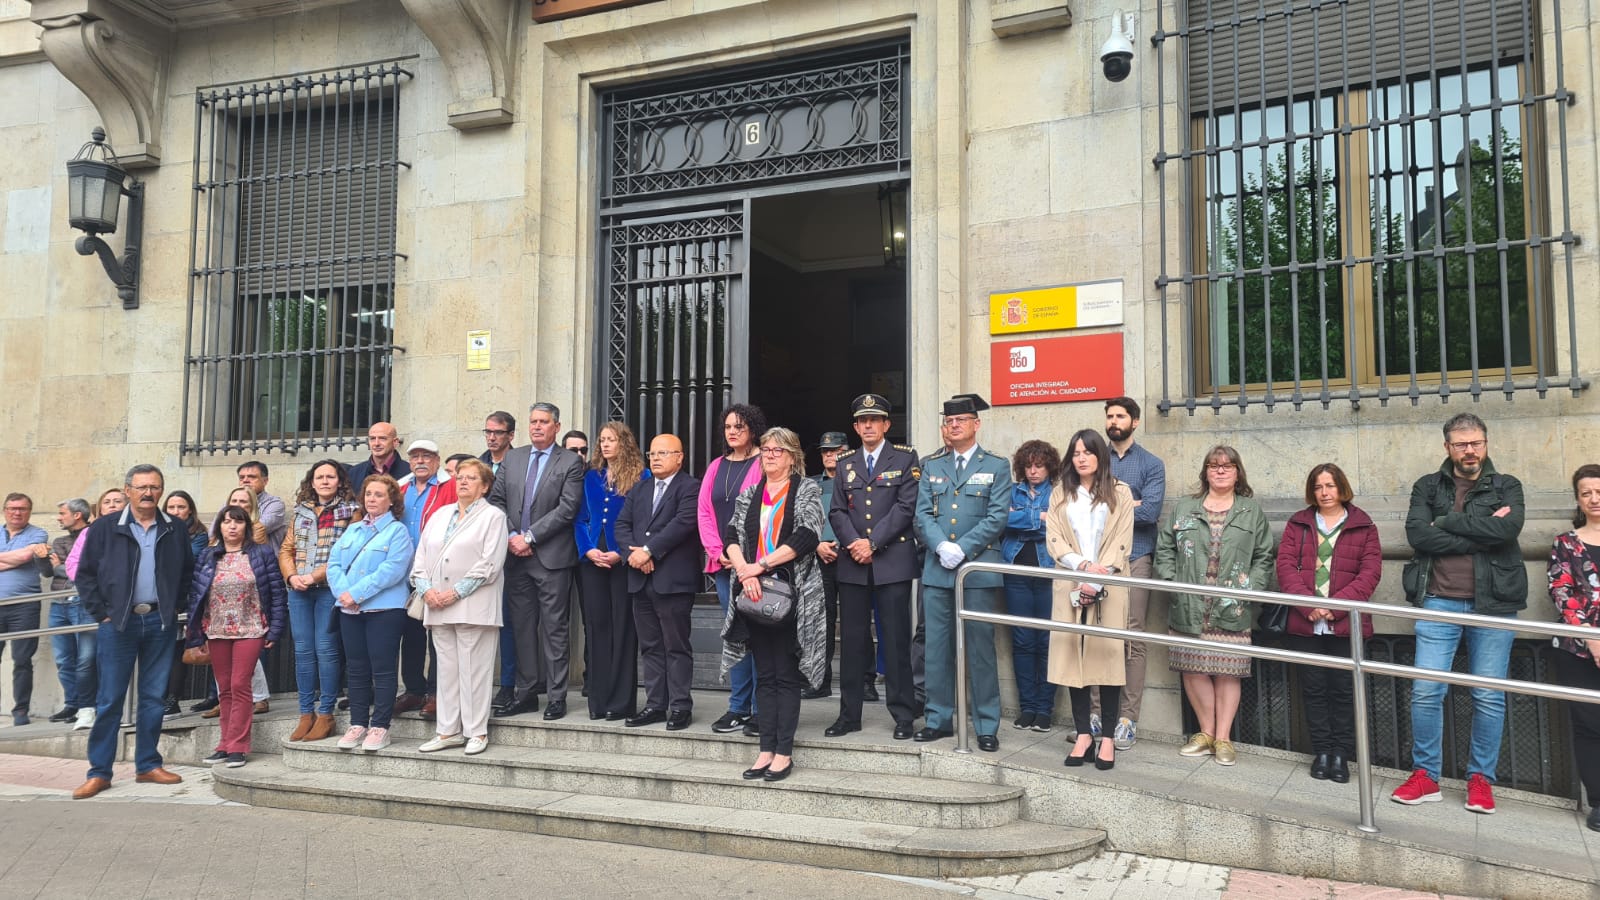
<point>608,626</point>
<point>1034,468</point>
<point>324,506</point>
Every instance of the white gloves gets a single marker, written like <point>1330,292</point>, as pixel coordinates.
<point>950,554</point>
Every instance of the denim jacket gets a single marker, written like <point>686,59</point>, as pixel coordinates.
<point>1025,525</point>
<point>371,562</point>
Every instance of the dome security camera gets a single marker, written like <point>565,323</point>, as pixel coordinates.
<point>1116,54</point>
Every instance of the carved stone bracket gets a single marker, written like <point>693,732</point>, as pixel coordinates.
<point>1014,17</point>
<point>119,61</point>
<point>476,40</point>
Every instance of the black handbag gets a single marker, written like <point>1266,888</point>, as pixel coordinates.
<point>1274,619</point>
<point>776,603</point>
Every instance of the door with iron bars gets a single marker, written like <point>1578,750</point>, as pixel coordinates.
<point>674,292</point>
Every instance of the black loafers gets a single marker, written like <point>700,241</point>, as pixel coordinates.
<point>556,710</point>
<point>988,743</point>
<point>902,731</point>
<point>647,717</point>
<point>678,720</point>
<point>839,728</point>
<point>932,734</point>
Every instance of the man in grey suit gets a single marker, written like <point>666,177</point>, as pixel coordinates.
<point>539,487</point>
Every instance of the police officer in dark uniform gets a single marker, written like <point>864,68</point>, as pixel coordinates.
<point>874,503</point>
<point>831,446</point>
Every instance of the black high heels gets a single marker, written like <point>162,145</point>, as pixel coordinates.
<point>1076,759</point>
<point>1106,764</point>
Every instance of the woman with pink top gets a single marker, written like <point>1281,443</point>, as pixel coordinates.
<point>726,477</point>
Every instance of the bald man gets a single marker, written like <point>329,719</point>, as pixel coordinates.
<point>384,443</point>
<point>658,532</point>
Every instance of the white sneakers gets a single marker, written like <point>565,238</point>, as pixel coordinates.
<point>85,719</point>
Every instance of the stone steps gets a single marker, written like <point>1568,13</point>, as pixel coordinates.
<point>748,832</point>
<point>843,794</point>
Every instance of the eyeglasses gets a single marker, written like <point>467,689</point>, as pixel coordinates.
<point>145,488</point>
<point>773,451</point>
<point>496,432</point>
<point>1464,446</point>
<point>663,454</point>
<point>581,451</point>
<point>959,420</point>
<point>19,509</point>
<point>1220,467</point>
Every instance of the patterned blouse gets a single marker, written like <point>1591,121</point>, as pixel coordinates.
<point>1574,589</point>
<point>234,611</point>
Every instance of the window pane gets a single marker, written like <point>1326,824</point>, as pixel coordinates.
<point>1271,214</point>
<point>1437,188</point>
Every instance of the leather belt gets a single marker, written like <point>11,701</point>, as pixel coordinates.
<point>141,609</point>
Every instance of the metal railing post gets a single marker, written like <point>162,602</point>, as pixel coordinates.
<point>1358,655</point>
<point>960,624</point>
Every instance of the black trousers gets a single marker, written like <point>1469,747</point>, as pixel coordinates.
<point>20,617</point>
<point>1574,671</point>
<point>1326,695</point>
<point>416,648</point>
<point>830,610</point>
<point>855,649</point>
<point>778,684</point>
<point>1083,704</point>
<point>662,621</point>
<point>611,645</point>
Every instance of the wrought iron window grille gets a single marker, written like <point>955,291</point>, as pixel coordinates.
<point>290,332</point>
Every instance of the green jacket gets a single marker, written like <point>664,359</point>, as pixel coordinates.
<point>1245,561</point>
<point>1500,579</point>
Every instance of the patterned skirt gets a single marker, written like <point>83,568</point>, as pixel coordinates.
<point>1211,661</point>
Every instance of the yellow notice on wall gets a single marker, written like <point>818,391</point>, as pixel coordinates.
<point>477,351</point>
<point>1056,308</point>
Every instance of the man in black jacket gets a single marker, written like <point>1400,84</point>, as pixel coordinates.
<point>1463,525</point>
<point>134,577</point>
<point>658,530</point>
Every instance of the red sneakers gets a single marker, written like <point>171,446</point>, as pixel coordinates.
<point>1480,795</point>
<point>1419,788</point>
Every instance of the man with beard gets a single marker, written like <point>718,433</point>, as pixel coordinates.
<point>1146,476</point>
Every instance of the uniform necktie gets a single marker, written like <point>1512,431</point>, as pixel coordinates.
<point>872,460</point>
<point>961,465</point>
<point>661,491</point>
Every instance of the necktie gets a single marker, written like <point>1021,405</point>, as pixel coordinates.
<point>528,488</point>
<point>961,466</point>
<point>872,463</point>
<point>661,491</point>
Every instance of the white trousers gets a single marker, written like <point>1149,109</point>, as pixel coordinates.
<point>465,654</point>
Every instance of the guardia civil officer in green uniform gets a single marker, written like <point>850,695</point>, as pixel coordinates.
<point>831,446</point>
<point>874,500</point>
<point>962,504</point>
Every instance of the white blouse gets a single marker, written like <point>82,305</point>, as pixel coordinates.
<point>1088,520</point>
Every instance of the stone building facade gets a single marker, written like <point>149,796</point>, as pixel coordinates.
<point>1016,165</point>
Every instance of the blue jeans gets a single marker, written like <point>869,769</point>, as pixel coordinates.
<point>20,617</point>
<point>508,649</point>
<point>372,649</point>
<point>317,651</point>
<point>742,677</point>
<point>1488,652</point>
<point>1030,647</point>
<point>74,654</point>
<point>143,640</point>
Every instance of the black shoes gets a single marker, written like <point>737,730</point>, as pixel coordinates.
<point>756,774</point>
<point>730,722</point>
<point>988,743</point>
<point>210,703</point>
<point>169,710</point>
<point>1594,819</point>
<point>678,720</point>
<point>556,710</point>
<point>617,716</point>
<point>646,717</point>
<point>869,693</point>
<point>902,731</point>
<point>816,693</point>
<point>932,734</point>
<point>1319,766</point>
<point>1338,769</point>
<point>1075,759</point>
<point>1024,721</point>
<point>65,714</point>
<point>777,774</point>
<point>527,704</point>
<point>752,728</point>
<point>1101,762</point>
<point>840,728</point>
<point>504,697</point>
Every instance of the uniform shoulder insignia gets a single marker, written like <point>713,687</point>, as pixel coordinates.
<point>906,447</point>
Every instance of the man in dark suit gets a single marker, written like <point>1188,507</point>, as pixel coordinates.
<point>874,503</point>
<point>658,528</point>
<point>384,442</point>
<point>539,488</point>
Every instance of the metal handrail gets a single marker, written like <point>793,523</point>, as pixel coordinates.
<point>1356,663</point>
<point>35,598</point>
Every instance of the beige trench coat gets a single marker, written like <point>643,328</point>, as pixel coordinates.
<point>1077,660</point>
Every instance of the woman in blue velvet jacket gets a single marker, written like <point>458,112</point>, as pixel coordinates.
<point>368,570</point>
<point>1035,468</point>
<point>603,576</point>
